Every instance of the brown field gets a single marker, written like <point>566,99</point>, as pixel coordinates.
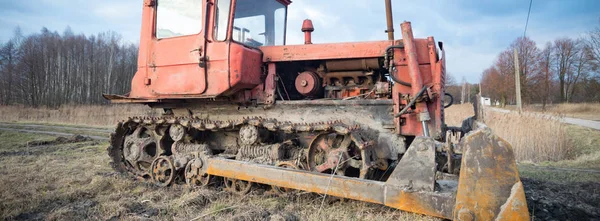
<point>588,111</point>
<point>89,115</point>
<point>73,181</point>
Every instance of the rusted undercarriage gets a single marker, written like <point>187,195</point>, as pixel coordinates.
<point>356,158</point>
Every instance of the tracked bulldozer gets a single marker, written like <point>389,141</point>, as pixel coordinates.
<point>362,120</point>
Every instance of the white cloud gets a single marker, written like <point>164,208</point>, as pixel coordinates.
<point>473,32</point>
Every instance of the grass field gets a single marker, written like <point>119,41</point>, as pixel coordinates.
<point>89,115</point>
<point>73,181</point>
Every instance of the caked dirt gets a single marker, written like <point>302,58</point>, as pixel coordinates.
<point>558,201</point>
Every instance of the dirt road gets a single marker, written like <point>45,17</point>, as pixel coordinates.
<point>569,120</point>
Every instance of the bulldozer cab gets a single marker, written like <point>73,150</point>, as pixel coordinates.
<point>186,43</point>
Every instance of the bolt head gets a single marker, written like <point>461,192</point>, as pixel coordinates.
<point>304,83</point>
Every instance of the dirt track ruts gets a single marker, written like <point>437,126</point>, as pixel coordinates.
<point>31,128</point>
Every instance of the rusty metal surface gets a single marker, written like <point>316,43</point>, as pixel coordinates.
<point>308,83</point>
<point>429,203</point>
<point>421,69</point>
<point>307,28</point>
<point>338,102</point>
<point>417,168</point>
<point>374,49</point>
<point>413,64</point>
<point>353,65</point>
<point>389,19</point>
<point>225,122</point>
<point>489,184</point>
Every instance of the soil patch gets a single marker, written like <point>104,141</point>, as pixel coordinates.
<point>60,140</point>
<point>555,201</point>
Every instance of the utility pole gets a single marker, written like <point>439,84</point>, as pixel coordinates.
<point>518,82</point>
<point>480,93</point>
<point>463,91</point>
<point>468,93</point>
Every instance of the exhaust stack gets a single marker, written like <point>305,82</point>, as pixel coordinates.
<point>307,28</point>
<point>390,20</point>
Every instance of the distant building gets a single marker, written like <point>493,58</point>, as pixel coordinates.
<point>486,101</point>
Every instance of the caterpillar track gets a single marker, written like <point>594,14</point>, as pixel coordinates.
<point>166,149</point>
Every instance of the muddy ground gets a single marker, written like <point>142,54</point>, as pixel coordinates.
<point>68,178</point>
<point>562,201</point>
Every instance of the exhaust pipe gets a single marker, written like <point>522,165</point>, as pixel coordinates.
<point>390,20</point>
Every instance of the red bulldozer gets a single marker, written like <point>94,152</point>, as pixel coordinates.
<point>362,120</point>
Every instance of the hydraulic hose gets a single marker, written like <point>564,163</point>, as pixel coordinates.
<point>393,77</point>
<point>451,100</point>
<point>391,68</point>
<point>412,102</point>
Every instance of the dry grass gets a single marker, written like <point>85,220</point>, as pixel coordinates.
<point>535,138</point>
<point>75,182</point>
<point>455,114</point>
<point>589,111</point>
<point>91,115</point>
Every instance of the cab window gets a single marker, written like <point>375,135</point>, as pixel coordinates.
<point>176,18</point>
<point>259,23</point>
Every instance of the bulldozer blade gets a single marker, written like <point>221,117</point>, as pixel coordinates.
<point>489,186</point>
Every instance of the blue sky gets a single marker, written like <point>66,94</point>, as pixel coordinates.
<point>473,31</point>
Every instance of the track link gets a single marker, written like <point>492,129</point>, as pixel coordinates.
<point>125,128</point>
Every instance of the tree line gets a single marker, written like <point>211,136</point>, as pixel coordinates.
<point>564,70</point>
<point>52,69</point>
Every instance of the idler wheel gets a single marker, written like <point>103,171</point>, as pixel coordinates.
<point>308,83</point>
<point>194,175</point>
<point>240,187</point>
<point>163,171</point>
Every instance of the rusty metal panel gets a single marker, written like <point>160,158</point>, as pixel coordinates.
<point>487,179</point>
<point>351,188</point>
<point>416,170</point>
<point>437,204</point>
<point>374,49</point>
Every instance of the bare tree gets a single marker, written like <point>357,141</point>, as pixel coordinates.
<point>529,59</point>
<point>546,63</point>
<point>565,50</point>
<point>582,66</point>
<point>450,80</point>
<point>50,69</point>
<point>593,44</point>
